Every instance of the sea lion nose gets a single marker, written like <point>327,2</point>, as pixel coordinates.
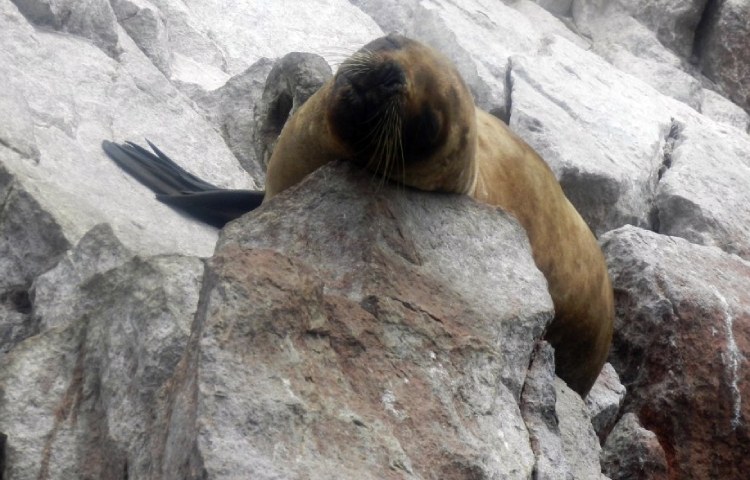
<point>375,84</point>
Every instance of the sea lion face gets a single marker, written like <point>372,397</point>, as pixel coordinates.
<point>402,110</point>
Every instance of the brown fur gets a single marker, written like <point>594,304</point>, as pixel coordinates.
<point>472,153</point>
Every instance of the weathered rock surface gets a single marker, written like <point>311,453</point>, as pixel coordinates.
<point>604,401</point>
<point>107,372</point>
<point>80,398</point>
<point>631,451</point>
<point>682,339</point>
<point>291,81</point>
<point>723,47</point>
<point>367,354</point>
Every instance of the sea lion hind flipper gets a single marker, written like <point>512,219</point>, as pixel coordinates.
<point>149,170</point>
<point>166,168</point>
<point>179,188</point>
<point>216,207</point>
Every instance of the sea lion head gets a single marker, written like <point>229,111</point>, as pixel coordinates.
<point>402,110</point>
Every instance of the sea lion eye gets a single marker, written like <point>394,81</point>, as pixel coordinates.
<point>421,134</point>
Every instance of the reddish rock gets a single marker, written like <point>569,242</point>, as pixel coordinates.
<point>631,452</point>
<point>349,329</point>
<point>682,340</point>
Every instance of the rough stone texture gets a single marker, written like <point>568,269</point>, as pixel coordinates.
<point>558,7</point>
<point>580,444</point>
<point>632,452</point>
<point>703,194</point>
<point>718,108</point>
<point>234,108</point>
<point>90,19</point>
<point>146,26</point>
<point>80,397</point>
<point>604,401</point>
<point>377,344</point>
<point>682,340</point>
<point>208,46</point>
<point>723,45</point>
<point>538,409</point>
<point>70,97</point>
<point>608,168</point>
<point>290,83</point>
<point>108,381</point>
<point>674,22</point>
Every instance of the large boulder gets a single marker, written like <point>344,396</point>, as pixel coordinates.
<point>682,339</point>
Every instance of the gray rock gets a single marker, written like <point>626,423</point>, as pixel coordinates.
<point>681,337</point>
<point>674,23</point>
<point>704,194</point>
<point>539,413</point>
<point>604,401</point>
<point>558,7</point>
<point>606,164</point>
<point>54,291</point>
<point>722,47</point>
<point>343,310</point>
<point>577,435</point>
<point>145,25</point>
<point>90,19</point>
<point>631,47</point>
<point>632,452</point>
<point>209,46</point>
<point>70,97</point>
<point>27,247</point>
<point>234,109</point>
<point>290,83</point>
<point>91,380</point>
<point>718,108</point>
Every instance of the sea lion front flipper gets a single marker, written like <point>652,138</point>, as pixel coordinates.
<point>179,188</point>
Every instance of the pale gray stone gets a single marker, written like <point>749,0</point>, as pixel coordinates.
<point>558,7</point>
<point>81,397</point>
<point>71,97</point>
<point>604,401</point>
<point>538,407</point>
<point>90,19</point>
<point>704,194</point>
<point>718,108</point>
<point>234,108</point>
<point>145,25</point>
<point>579,441</point>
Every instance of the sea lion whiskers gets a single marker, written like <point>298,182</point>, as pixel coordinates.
<point>360,62</point>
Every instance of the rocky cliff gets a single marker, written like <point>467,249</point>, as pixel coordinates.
<point>350,328</point>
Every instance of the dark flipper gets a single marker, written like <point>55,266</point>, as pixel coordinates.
<point>179,188</point>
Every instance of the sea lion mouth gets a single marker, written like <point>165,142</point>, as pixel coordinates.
<point>367,108</point>
<point>365,86</point>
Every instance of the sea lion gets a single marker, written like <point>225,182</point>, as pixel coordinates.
<point>400,109</point>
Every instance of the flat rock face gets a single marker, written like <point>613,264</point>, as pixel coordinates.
<point>355,329</point>
<point>682,339</point>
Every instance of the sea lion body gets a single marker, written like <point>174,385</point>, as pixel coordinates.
<point>439,141</point>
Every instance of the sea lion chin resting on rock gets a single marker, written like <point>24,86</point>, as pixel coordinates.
<point>401,109</point>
